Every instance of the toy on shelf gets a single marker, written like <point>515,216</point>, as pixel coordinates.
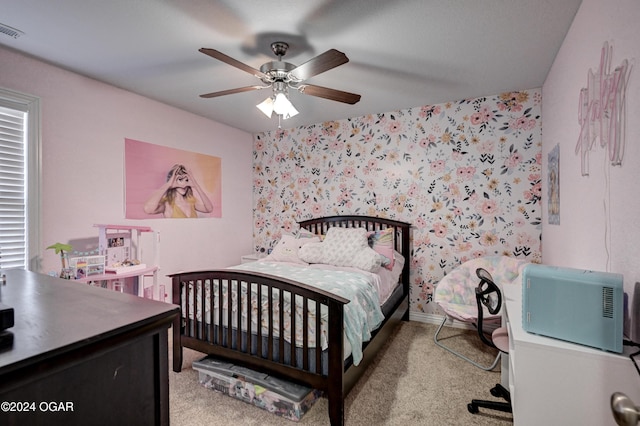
<point>120,247</point>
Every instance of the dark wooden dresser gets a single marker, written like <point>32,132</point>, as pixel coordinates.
<point>83,355</point>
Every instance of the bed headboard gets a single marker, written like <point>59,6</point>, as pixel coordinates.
<point>401,231</point>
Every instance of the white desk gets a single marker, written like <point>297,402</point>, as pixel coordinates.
<point>553,382</point>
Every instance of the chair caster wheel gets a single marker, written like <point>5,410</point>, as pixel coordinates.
<point>495,391</point>
<point>473,409</point>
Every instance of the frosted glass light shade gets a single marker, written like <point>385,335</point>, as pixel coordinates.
<point>266,107</point>
<point>281,106</point>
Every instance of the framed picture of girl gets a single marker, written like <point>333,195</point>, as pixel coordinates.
<point>163,182</point>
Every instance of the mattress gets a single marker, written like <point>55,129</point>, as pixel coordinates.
<point>363,314</point>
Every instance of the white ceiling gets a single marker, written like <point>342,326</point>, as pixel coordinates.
<point>402,53</point>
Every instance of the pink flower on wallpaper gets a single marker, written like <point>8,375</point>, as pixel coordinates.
<point>259,145</point>
<point>428,141</point>
<point>425,111</point>
<point>349,171</point>
<point>258,182</point>
<point>316,209</point>
<point>370,184</point>
<point>280,157</point>
<point>526,240</point>
<point>371,166</point>
<point>336,145</point>
<point>456,212</point>
<point>314,139</point>
<point>518,222</point>
<point>534,193</point>
<point>260,223</point>
<point>394,126</point>
<point>440,229</point>
<point>303,181</point>
<point>438,166</point>
<point>466,173</point>
<point>478,253</point>
<point>286,176</point>
<point>486,147</point>
<point>522,123</point>
<point>413,190</point>
<point>514,159</point>
<point>488,207</point>
<point>344,195</point>
<point>484,115</point>
<point>398,202</point>
<point>420,223</point>
<point>287,225</point>
<point>416,262</point>
<point>331,173</point>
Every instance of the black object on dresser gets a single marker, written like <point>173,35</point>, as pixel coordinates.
<point>83,355</point>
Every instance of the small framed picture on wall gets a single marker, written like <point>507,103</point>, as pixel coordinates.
<point>554,186</point>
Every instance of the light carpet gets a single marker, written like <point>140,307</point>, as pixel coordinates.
<point>411,382</point>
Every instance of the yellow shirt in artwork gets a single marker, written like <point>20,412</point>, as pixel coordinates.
<point>178,213</point>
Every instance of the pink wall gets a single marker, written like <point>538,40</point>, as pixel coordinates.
<point>84,126</point>
<point>600,213</point>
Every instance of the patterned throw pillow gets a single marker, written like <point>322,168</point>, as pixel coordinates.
<point>349,247</point>
<point>311,253</point>
<point>382,243</point>
<point>288,247</point>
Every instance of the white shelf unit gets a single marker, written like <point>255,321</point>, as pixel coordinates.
<point>553,382</point>
<point>124,242</point>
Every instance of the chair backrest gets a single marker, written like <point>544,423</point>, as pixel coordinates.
<point>489,295</point>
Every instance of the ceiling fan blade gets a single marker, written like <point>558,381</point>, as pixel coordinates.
<point>232,91</point>
<point>332,94</point>
<point>233,62</point>
<point>321,63</point>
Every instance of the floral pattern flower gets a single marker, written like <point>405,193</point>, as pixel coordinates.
<point>465,174</point>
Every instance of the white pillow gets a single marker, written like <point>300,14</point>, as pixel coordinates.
<point>288,247</point>
<point>311,253</point>
<point>349,247</point>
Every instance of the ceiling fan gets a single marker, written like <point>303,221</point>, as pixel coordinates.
<point>281,76</point>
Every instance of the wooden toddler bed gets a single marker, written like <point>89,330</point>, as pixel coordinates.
<point>205,318</point>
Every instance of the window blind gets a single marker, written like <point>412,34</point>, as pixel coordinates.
<point>13,188</point>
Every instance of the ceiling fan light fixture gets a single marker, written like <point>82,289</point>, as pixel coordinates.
<point>266,106</point>
<point>283,106</point>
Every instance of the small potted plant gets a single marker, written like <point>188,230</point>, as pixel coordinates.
<point>62,250</point>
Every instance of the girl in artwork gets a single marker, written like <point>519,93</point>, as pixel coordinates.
<point>180,197</point>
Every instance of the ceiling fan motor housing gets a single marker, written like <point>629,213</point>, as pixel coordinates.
<point>277,71</point>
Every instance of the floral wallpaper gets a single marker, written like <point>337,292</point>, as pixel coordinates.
<point>466,174</point>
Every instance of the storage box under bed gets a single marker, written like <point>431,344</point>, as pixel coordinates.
<point>280,397</point>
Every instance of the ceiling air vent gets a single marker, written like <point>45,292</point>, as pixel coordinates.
<point>11,32</point>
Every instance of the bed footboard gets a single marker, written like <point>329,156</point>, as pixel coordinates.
<point>236,315</point>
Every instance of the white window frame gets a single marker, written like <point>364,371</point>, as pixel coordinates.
<point>33,148</point>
